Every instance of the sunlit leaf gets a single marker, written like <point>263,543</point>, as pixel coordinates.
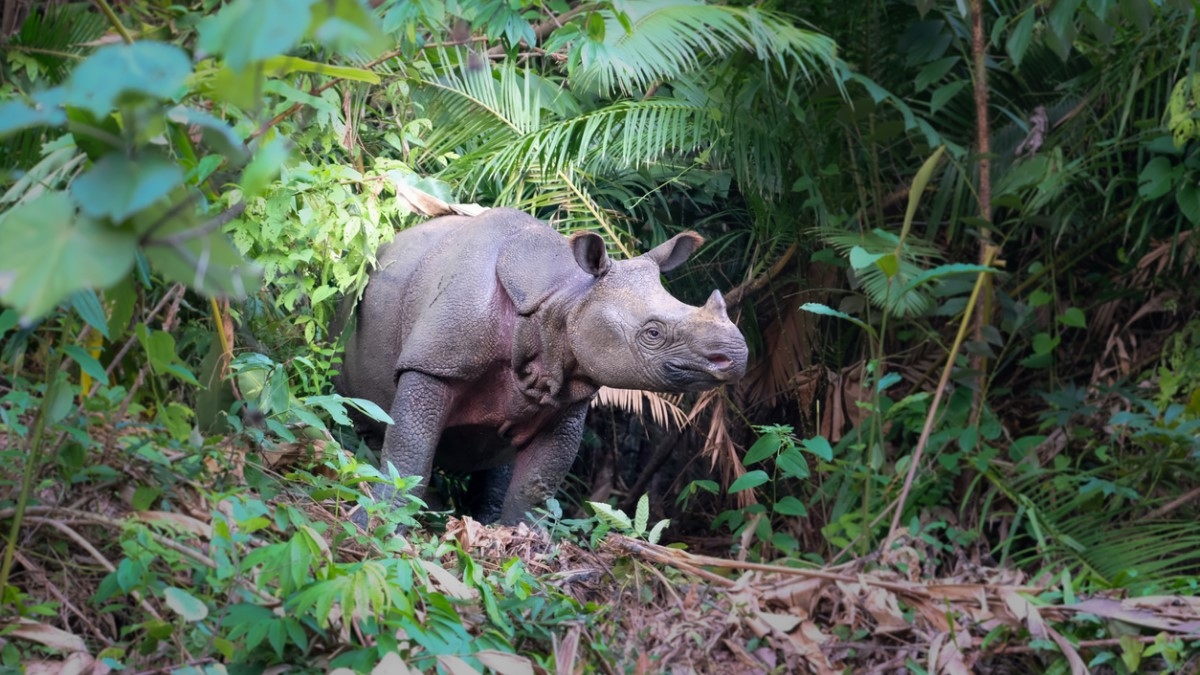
<point>117,73</point>
<point>50,251</point>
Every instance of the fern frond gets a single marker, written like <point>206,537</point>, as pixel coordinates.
<point>667,39</point>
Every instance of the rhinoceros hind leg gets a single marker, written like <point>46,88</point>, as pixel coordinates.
<point>487,491</point>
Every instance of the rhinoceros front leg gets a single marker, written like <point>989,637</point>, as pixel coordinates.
<point>541,467</point>
<point>419,411</point>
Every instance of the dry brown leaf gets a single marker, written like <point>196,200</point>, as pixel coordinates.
<point>44,634</point>
<point>391,664</point>
<point>447,583</point>
<point>946,653</point>
<point>505,663</point>
<point>565,651</point>
<point>808,641</point>
<point>783,623</point>
<point>79,663</point>
<point>456,666</point>
<point>885,609</point>
<point>799,594</point>
<point>664,409</point>
<point>1157,613</point>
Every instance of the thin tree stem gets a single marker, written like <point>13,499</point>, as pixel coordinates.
<point>116,22</point>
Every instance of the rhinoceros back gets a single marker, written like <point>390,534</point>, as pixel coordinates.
<point>441,300</point>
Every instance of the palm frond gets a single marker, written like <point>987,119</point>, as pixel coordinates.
<point>1098,536</point>
<point>882,291</point>
<point>663,410</point>
<point>659,41</point>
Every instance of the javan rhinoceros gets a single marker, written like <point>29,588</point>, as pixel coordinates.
<point>485,337</point>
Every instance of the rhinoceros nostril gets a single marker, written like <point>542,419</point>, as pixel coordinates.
<point>719,360</point>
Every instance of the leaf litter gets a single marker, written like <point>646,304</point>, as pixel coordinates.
<point>655,608</point>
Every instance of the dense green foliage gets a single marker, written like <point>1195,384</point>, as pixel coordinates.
<point>1005,372</point>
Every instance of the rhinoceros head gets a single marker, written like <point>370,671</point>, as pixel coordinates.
<point>629,332</point>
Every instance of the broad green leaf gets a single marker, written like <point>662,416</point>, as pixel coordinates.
<point>916,191</point>
<point>1188,199</point>
<point>944,271</point>
<point>819,446</point>
<point>116,73</point>
<point>87,304</point>
<point>1182,120</point>
<point>934,71</point>
<point>611,516</point>
<point>197,255</point>
<point>818,308</point>
<point>278,66</point>
<point>1039,298</point>
<point>186,605</point>
<point>656,531</point>
<point>144,497</point>
<point>889,264</point>
<point>369,409</point>
<point>767,445</point>
<point>641,517</point>
<point>1156,178</point>
<point>1019,38</point>
<point>1073,317</point>
<point>749,480</point>
<point>87,363</point>
<point>8,319</point>
<point>348,28</point>
<point>50,252</point>
<point>62,404</point>
<point>1044,344</point>
<point>246,31</point>
<point>118,187</point>
<point>219,135</point>
<point>265,166</point>
<point>861,258</point>
<point>943,95</point>
<point>17,115</point>
<point>792,464</point>
<point>790,506</point>
<point>159,346</point>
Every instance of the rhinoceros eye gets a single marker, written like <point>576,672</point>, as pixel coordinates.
<point>653,335</point>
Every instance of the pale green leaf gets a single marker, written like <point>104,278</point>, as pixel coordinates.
<point>246,31</point>
<point>749,481</point>
<point>186,605</point>
<point>87,363</point>
<point>116,73</point>
<point>50,251</point>
<point>612,516</point>
<point>118,187</point>
<point>819,446</point>
<point>1073,317</point>
<point>790,506</point>
<point>641,517</point>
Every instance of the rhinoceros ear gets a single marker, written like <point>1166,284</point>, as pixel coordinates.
<point>588,248</point>
<point>675,251</point>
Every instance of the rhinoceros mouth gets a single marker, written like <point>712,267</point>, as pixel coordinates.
<point>689,376</point>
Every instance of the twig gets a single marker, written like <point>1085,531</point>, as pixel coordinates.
<point>1174,503</point>
<point>116,23</point>
<point>927,430</point>
<point>97,556</point>
<point>208,227</point>
<point>64,600</point>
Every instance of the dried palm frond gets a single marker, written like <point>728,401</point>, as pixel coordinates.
<point>664,409</point>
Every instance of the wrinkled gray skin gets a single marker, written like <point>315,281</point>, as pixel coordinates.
<point>485,337</point>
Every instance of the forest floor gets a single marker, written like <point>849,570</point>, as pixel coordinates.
<point>662,609</point>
